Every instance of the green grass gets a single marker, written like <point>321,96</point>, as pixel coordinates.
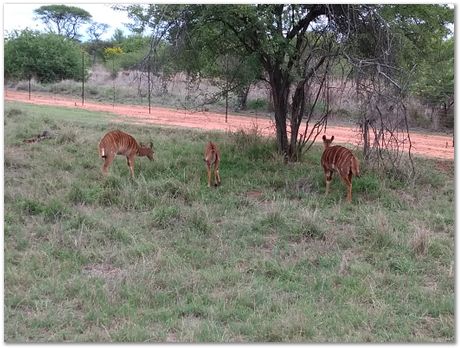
<point>265,257</point>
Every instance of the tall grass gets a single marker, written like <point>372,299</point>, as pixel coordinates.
<point>266,257</point>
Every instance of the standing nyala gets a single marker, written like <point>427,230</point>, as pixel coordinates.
<point>119,143</point>
<point>212,159</point>
<point>341,160</point>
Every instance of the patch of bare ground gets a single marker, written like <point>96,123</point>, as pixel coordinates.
<point>254,194</point>
<point>258,198</point>
<point>171,337</point>
<point>268,245</point>
<point>189,325</point>
<point>103,271</point>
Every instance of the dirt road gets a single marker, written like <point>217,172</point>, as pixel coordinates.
<point>429,145</point>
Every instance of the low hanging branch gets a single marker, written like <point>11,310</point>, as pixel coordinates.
<point>380,92</point>
<point>383,124</point>
<point>308,138</point>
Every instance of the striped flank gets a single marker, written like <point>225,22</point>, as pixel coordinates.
<point>340,160</point>
<point>119,143</point>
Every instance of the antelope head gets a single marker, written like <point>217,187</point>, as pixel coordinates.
<point>327,142</point>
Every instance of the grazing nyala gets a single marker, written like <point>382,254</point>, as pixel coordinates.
<point>340,159</point>
<point>212,159</point>
<point>119,143</point>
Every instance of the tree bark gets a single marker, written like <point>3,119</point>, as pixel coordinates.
<point>243,98</point>
<point>280,92</point>
<point>298,109</point>
<point>435,119</point>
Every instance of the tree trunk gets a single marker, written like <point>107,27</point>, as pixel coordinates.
<point>280,93</point>
<point>366,145</point>
<point>243,98</point>
<point>297,112</point>
<point>435,119</point>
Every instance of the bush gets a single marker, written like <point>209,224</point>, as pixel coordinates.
<point>47,57</point>
<point>257,104</point>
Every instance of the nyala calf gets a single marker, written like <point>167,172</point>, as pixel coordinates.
<point>119,143</point>
<point>212,160</point>
<point>341,160</point>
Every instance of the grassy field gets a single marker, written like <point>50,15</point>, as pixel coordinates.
<point>266,257</point>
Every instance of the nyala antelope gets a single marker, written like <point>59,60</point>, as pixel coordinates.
<point>212,159</point>
<point>341,160</point>
<point>119,143</point>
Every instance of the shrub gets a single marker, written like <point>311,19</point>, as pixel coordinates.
<point>257,104</point>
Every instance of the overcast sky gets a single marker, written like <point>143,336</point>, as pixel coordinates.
<point>21,16</point>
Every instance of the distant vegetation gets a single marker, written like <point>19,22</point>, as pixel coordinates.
<point>209,52</point>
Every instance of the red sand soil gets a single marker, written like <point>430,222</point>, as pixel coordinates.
<point>429,145</point>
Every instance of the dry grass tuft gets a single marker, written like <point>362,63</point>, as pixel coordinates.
<point>103,271</point>
<point>419,241</point>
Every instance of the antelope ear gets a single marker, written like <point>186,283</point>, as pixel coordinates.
<point>324,137</point>
<point>332,138</point>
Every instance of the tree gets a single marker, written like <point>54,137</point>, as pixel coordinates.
<point>96,30</point>
<point>295,44</point>
<point>46,57</point>
<point>426,41</point>
<point>63,20</point>
<point>95,45</point>
<point>435,86</point>
<point>213,52</point>
<point>118,36</point>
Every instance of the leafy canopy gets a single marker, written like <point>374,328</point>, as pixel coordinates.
<point>425,41</point>
<point>63,20</point>
<point>46,57</point>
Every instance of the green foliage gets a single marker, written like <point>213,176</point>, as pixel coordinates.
<point>425,40</point>
<point>118,37</point>
<point>200,50</point>
<point>258,104</point>
<point>135,48</point>
<point>436,86</point>
<point>127,53</point>
<point>46,57</point>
